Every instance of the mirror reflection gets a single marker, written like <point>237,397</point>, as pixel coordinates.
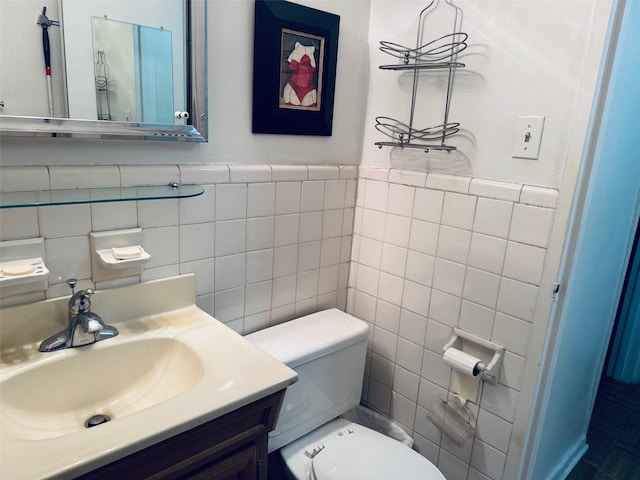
<point>133,72</point>
<point>94,59</point>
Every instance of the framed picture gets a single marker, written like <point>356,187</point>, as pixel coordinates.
<point>294,68</point>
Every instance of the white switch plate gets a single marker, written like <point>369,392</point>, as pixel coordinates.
<point>528,137</point>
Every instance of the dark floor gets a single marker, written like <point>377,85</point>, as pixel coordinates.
<point>277,469</point>
<point>613,436</point>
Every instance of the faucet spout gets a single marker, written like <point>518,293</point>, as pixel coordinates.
<point>83,326</point>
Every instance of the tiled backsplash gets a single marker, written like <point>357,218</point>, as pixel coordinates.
<point>267,243</point>
<point>433,252</point>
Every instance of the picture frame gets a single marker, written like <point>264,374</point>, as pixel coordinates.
<point>294,69</point>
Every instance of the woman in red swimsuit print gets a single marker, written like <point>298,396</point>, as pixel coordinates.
<point>301,89</point>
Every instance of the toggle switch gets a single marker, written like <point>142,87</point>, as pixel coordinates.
<point>527,137</point>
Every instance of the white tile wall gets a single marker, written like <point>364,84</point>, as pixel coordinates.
<point>310,227</point>
<point>17,179</point>
<point>231,201</point>
<point>90,177</point>
<point>265,242</point>
<point>334,192</point>
<point>17,223</point>
<point>261,199</point>
<point>288,197</point>
<point>163,244</point>
<point>408,177</point>
<point>420,253</point>
<point>323,172</point>
<point>428,205</point>
<point>230,237</point>
<point>114,216</point>
<point>436,253</point>
<point>67,257</point>
<point>229,272</point>
<point>312,196</point>
<point>419,267</point>
<point>260,232</point>
<point>192,246</point>
<point>458,210</point>
<point>157,213</point>
<point>249,173</point>
<point>67,221</point>
<point>394,259</point>
<point>133,175</point>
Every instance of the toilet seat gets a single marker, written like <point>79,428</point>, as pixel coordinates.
<point>344,450</point>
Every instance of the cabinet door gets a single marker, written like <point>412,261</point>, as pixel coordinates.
<point>242,465</point>
<point>218,449</point>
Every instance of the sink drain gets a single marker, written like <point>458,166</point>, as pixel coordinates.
<point>96,420</point>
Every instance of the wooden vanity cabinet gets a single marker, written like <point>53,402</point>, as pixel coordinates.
<point>233,446</point>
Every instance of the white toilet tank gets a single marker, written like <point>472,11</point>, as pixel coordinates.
<point>328,350</point>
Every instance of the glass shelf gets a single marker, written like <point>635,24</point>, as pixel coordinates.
<point>43,198</point>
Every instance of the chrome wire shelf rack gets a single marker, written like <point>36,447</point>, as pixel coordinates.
<point>438,54</point>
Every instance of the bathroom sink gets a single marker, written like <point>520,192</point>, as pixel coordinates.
<point>109,378</point>
<point>172,368</point>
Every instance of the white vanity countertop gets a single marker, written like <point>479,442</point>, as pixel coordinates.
<point>232,373</point>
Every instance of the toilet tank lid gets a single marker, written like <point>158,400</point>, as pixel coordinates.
<point>306,338</point>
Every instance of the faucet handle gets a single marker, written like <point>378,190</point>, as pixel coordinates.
<point>72,282</point>
<point>80,301</point>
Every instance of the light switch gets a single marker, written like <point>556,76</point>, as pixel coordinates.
<point>528,137</point>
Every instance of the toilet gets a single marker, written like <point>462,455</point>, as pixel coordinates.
<point>327,350</point>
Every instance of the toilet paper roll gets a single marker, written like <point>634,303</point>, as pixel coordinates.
<point>463,362</point>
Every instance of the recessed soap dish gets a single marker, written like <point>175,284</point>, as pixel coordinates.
<point>123,257</point>
<point>19,272</point>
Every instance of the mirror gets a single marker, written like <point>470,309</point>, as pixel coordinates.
<point>118,69</point>
<point>133,73</point>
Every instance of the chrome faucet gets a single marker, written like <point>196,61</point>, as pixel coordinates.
<point>83,326</point>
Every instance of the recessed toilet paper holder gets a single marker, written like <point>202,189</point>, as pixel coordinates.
<point>488,353</point>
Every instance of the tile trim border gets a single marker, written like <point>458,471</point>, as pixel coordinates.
<point>42,177</point>
<point>513,192</point>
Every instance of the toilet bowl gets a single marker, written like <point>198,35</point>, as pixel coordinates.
<point>328,350</point>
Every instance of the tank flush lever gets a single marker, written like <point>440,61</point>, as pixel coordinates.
<point>315,451</point>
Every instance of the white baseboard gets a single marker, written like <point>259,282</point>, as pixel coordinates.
<point>570,459</point>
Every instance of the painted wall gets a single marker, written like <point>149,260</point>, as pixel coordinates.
<point>602,251</point>
<point>524,58</point>
<point>230,30</point>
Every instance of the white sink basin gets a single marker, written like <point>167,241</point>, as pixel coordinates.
<point>171,368</point>
<point>116,379</point>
